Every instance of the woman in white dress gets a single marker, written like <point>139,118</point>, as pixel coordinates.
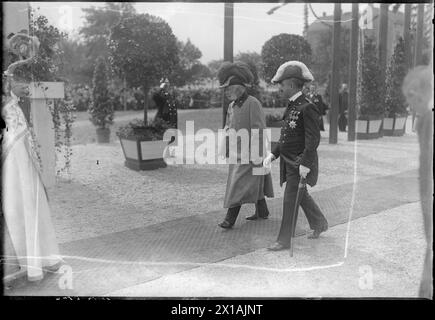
<point>25,204</point>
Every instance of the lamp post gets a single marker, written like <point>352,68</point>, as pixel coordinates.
<point>407,35</point>
<point>335,77</point>
<point>228,46</point>
<point>353,73</point>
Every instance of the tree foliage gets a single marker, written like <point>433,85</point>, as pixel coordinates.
<point>282,48</point>
<point>189,67</point>
<point>98,22</point>
<point>322,55</point>
<point>47,64</point>
<point>254,61</point>
<point>101,109</point>
<point>395,102</point>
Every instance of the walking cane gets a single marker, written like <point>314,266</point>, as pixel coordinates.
<point>301,186</point>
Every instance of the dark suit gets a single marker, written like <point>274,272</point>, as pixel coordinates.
<point>166,107</point>
<point>342,109</point>
<point>300,137</point>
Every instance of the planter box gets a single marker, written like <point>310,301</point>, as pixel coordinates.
<point>143,155</point>
<point>394,126</point>
<point>368,128</point>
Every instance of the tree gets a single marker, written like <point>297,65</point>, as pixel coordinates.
<point>76,65</point>
<point>395,103</point>
<point>200,71</point>
<point>282,48</point>
<point>214,66</point>
<point>98,22</point>
<point>370,81</point>
<point>322,55</point>
<point>252,59</point>
<point>143,49</point>
<point>101,108</point>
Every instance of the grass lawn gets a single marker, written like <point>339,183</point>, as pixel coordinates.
<point>204,118</point>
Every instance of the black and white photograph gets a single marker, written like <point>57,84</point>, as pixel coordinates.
<point>217,150</point>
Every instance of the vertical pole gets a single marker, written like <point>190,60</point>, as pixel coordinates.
<point>419,41</point>
<point>407,35</point>
<point>228,32</point>
<point>228,45</point>
<point>335,78</point>
<point>353,72</point>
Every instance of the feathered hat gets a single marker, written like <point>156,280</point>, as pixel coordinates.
<point>235,73</point>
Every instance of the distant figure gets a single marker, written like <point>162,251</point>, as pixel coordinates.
<point>166,106</point>
<point>418,90</point>
<point>342,107</point>
<point>317,100</point>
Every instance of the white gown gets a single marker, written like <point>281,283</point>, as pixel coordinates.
<point>25,204</point>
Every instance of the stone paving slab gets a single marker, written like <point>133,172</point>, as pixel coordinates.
<point>110,262</point>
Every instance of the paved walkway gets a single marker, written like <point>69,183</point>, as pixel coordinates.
<point>109,263</point>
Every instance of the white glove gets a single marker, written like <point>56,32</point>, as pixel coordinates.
<point>267,162</point>
<point>303,171</point>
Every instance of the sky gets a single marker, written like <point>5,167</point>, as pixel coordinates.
<point>203,23</point>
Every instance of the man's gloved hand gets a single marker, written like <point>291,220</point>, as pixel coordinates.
<point>267,162</point>
<point>303,171</point>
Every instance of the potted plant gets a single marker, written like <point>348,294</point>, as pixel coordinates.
<point>274,123</point>
<point>395,103</point>
<point>370,106</point>
<point>101,108</point>
<point>143,144</point>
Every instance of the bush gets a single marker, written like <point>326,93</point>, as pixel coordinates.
<point>201,98</point>
<point>80,96</point>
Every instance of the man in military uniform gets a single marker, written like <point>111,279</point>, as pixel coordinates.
<point>166,106</point>
<point>297,147</point>
<point>317,100</point>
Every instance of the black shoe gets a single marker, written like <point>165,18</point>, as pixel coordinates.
<point>316,233</point>
<point>277,247</point>
<point>226,225</point>
<point>253,217</point>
